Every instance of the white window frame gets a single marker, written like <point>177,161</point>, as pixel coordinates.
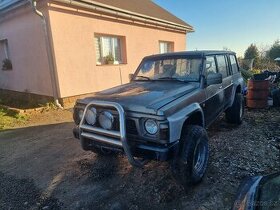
<point>112,48</point>
<point>4,42</point>
<point>169,46</point>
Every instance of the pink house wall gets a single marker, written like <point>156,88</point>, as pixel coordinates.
<point>74,49</point>
<point>30,73</point>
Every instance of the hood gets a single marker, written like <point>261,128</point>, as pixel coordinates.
<point>144,96</point>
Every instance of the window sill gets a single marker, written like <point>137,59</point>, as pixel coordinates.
<point>4,69</point>
<point>116,64</point>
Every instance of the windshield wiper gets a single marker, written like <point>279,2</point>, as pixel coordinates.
<point>148,78</point>
<point>170,78</point>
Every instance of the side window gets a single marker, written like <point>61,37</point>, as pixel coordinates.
<point>228,65</point>
<point>233,63</point>
<point>222,65</point>
<point>210,65</point>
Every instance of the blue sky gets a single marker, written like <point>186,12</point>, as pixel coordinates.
<point>234,24</point>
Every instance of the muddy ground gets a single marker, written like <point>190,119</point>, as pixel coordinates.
<point>43,167</point>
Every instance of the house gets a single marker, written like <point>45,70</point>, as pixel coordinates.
<point>67,49</point>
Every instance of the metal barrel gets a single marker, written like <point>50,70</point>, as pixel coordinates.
<point>257,95</point>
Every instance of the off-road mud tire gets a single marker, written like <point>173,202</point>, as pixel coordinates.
<point>193,145</point>
<point>234,114</point>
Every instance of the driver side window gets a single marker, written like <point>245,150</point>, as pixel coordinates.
<point>210,65</point>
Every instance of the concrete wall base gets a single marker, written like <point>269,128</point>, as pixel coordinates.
<point>30,100</point>
<point>19,99</point>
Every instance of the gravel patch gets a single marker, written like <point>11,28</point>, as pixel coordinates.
<point>89,181</point>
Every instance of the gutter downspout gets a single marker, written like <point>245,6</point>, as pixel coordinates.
<point>49,52</point>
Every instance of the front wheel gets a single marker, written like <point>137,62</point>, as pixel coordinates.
<point>190,163</point>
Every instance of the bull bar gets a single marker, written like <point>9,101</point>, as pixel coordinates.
<point>114,138</point>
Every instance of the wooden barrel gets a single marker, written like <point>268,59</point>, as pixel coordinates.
<point>257,95</point>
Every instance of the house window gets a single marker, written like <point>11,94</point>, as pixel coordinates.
<point>109,50</point>
<point>5,63</point>
<point>165,47</point>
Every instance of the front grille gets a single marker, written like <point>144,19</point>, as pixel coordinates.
<point>116,124</point>
<point>131,127</point>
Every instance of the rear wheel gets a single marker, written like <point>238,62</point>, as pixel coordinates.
<point>190,163</point>
<point>234,114</point>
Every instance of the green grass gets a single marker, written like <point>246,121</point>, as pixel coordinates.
<point>9,119</point>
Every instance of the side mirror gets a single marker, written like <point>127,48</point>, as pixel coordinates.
<point>258,189</point>
<point>214,78</point>
<point>130,76</point>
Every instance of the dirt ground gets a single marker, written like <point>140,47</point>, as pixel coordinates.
<point>43,167</point>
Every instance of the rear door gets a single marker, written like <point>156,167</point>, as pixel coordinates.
<point>224,69</point>
<point>214,93</point>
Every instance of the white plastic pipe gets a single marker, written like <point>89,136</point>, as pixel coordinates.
<point>49,53</point>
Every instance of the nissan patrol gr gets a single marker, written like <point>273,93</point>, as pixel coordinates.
<point>163,112</point>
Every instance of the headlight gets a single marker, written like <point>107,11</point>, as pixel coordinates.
<point>151,126</point>
<point>106,120</point>
<point>91,116</point>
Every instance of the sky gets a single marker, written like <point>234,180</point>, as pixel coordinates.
<point>231,24</point>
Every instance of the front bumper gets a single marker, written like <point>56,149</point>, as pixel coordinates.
<point>146,151</point>
<point>96,136</point>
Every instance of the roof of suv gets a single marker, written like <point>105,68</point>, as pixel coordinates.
<point>199,53</point>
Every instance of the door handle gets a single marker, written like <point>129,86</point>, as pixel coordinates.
<point>220,87</point>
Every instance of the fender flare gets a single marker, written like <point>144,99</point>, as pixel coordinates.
<point>234,91</point>
<point>177,120</point>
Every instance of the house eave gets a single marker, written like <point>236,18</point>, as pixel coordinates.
<point>96,6</point>
<point>7,7</point>
<point>99,7</point>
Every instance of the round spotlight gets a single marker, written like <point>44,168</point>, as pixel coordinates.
<point>80,114</point>
<point>91,116</point>
<point>106,120</point>
<point>151,126</point>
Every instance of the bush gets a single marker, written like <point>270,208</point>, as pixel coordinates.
<point>255,71</point>
<point>7,64</point>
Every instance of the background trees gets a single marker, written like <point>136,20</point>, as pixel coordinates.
<point>274,51</point>
<point>261,58</point>
<point>251,56</point>
<point>252,52</point>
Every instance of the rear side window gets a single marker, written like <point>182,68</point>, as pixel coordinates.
<point>210,65</point>
<point>222,65</point>
<point>233,63</point>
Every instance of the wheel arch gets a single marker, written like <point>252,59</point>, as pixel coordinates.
<point>237,89</point>
<point>195,118</point>
<point>192,114</point>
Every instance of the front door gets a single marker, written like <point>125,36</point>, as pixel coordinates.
<point>214,93</point>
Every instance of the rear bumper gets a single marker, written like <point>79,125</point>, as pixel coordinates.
<point>147,151</point>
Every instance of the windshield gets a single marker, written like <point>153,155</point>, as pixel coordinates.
<point>181,68</point>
